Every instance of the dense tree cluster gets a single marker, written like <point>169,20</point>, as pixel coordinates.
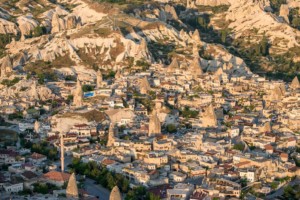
<point>108,180</point>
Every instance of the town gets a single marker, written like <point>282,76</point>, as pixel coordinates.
<point>201,126</point>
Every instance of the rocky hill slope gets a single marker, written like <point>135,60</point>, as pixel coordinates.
<point>81,36</point>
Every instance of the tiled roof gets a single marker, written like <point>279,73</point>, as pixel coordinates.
<point>57,176</point>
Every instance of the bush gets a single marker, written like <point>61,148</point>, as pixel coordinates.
<point>14,116</point>
<point>239,147</point>
<point>10,83</point>
<point>171,128</point>
<point>87,88</point>
<point>187,113</point>
<point>37,31</point>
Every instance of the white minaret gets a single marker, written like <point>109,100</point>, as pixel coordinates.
<point>62,152</point>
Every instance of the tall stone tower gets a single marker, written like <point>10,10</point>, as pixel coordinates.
<point>144,85</point>
<point>33,91</point>
<point>115,194</point>
<point>77,101</point>
<point>99,79</point>
<point>111,136</point>
<point>62,153</point>
<point>295,83</point>
<point>195,68</point>
<point>208,117</point>
<point>72,189</point>
<point>154,125</point>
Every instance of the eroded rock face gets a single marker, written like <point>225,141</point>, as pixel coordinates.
<point>284,12</point>
<point>72,22</point>
<point>8,27</point>
<point>27,24</point>
<point>57,24</point>
<point>6,66</point>
<point>171,10</point>
<point>212,2</point>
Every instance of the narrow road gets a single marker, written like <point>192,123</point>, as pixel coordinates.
<point>280,191</point>
<point>96,189</point>
<point>89,185</point>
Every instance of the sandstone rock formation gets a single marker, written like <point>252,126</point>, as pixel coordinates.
<point>276,94</point>
<point>33,91</point>
<point>266,128</point>
<point>72,189</point>
<point>171,10</point>
<point>111,135</point>
<point>154,125</point>
<point>195,68</point>
<point>208,117</point>
<point>173,66</point>
<point>245,15</point>
<point>115,194</point>
<point>6,66</point>
<point>72,22</point>
<point>57,24</point>
<point>144,85</point>
<point>118,75</point>
<point>26,24</point>
<point>212,2</point>
<point>196,36</point>
<point>78,95</point>
<point>295,83</point>
<point>99,79</point>
<point>284,12</point>
<point>8,27</point>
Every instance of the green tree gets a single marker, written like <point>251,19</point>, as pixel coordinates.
<point>171,128</point>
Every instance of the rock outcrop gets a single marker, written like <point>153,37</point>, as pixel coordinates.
<point>195,68</point>
<point>171,11</point>
<point>173,66</point>
<point>57,24</point>
<point>144,85</point>
<point>212,2</point>
<point>7,27</point>
<point>284,12</point>
<point>78,95</point>
<point>154,125</point>
<point>26,24</point>
<point>115,194</point>
<point>72,189</point>
<point>245,15</point>
<point>208,117</point>
<point>295,83</point>
<point>196,36</point>
<point>6,66</point>
<point>99,83</point>
<point>111,136</point>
